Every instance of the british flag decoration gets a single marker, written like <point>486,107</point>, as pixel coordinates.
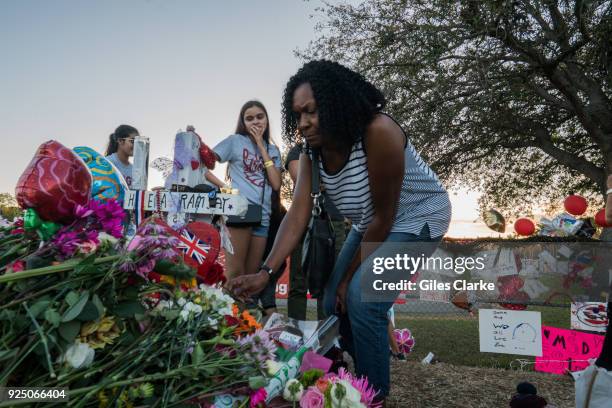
<point>193,247</point>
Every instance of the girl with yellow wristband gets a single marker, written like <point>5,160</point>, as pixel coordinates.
<point>254,169</point>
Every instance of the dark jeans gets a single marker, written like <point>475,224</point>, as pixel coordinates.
<point>364,328</point>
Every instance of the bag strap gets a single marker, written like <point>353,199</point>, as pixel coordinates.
<point>317,197</point>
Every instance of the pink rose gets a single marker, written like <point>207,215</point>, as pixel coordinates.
<point>18,266</point>
<point>258,398</point>
<point>312,398</point>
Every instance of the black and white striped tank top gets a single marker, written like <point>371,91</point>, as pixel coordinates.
<point>422,200</point>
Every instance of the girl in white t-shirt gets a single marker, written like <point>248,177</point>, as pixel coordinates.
<point>121,148</point>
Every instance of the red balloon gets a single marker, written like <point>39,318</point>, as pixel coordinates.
<point>575,204</point>
<point>200,244</point>
<point>600,218</point>
<point>524,226</point>
<point>54,183</point>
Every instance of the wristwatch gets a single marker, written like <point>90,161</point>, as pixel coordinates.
<point>266,268</point>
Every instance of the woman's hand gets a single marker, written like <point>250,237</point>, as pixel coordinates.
<point>341,292</point>
<point>257,133</point>
<point>247,285</point>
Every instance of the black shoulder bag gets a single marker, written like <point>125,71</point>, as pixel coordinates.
<point>318,252</point>
<point>254,214</point>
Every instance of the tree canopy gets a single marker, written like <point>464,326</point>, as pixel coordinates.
<point>512,98</point>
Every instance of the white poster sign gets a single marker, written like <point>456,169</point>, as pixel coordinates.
<point>510,332</point>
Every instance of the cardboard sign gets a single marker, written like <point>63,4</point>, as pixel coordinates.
<point>510,332</point>
<point>563,350</point>
<point>196,203</point>
<point>589,316</point>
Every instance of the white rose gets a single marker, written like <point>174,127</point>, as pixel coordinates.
<point>181,302</point>
<point>293,390</point>
<point>197,309</point>
<point>344,395</point>
<point>79,355</point>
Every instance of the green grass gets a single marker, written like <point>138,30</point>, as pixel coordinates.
<point>454,339</point>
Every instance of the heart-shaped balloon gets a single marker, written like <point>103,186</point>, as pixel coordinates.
<point>54,183</point>
<point>108,183</point>
<point>200,243</point>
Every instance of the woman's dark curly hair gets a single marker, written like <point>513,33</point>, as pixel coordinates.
<point>346,102</point>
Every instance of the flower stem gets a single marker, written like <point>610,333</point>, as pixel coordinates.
<point>43,338</point>
<point>65,266</point>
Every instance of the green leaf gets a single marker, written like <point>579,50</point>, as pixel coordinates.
<point>98,304</point>
<point>8,315</point>
<point>170,314</point>
<point>73,311</point>
<point>131,293</point>
<point>198,355</point>
<point>177,270</point>
<point>68,331</point>
<point>86,265</point>
<point>90,312</point>
<point>257,382</point>
<point>128,309</point>
<point>53,317</point>
<point>7,354</point>
<point>39,307</point>
<point>72,297</point>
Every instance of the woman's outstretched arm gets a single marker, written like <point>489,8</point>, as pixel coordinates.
<point>289,234</point>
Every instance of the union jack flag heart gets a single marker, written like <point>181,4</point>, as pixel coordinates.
<point>193,247</point>
<point>200,243</point>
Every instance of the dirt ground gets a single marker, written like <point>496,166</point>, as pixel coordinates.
<point>443,386</point>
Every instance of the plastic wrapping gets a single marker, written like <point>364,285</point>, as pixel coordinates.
<point>140,169</point>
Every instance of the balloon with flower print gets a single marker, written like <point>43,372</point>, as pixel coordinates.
<point>108,183</point>
<point>55,182</point>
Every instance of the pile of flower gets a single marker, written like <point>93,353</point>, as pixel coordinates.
<point>117,327</point>
<point>125,324</point>
<point>318,390</point>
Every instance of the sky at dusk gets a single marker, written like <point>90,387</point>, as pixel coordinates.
<point>74,70</point>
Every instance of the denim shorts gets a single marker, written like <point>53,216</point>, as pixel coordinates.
<point>260,231</point>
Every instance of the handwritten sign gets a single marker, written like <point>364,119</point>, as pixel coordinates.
<point>562,349</point>
<point>195,203</point>
<point>589,316</point>
<point>510,332</point>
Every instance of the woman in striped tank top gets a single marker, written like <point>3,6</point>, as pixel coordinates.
<point>376,178</point>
